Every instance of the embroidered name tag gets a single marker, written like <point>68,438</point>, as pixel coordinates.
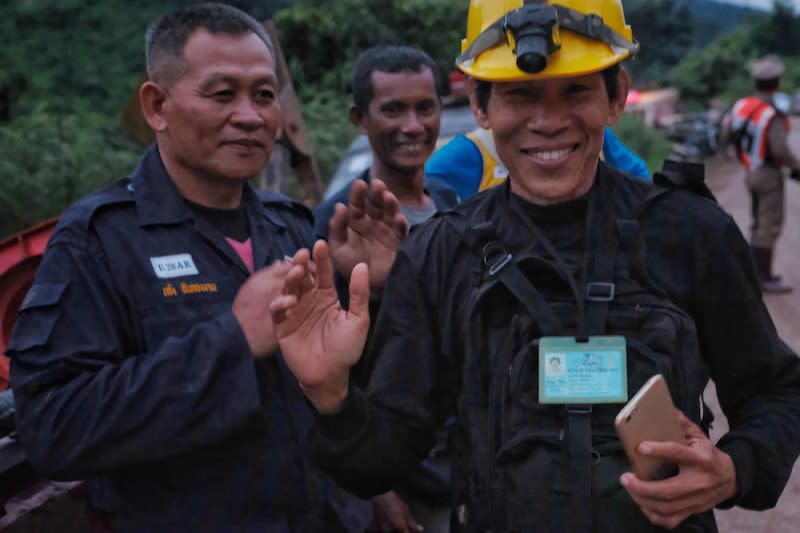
<point>174,266</point>
<point>170,291</point>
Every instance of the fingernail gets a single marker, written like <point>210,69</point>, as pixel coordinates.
<point>624,480</point>
<point>645,449</point>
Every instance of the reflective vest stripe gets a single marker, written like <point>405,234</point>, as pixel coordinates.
<point>758,115</point>
<point>494,173</point>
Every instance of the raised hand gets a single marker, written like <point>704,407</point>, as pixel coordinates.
<point>706,478</point>
<point>251,307</point>
<point>319,340</point>
<point>368,230</point>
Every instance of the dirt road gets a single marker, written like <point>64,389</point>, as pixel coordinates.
<point>726,179</point>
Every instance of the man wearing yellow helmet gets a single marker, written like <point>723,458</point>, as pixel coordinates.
<point>567,258</point>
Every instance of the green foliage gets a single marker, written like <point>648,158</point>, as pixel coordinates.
<point>665,39</point>
<point>775,32</point>
<point>710,72</point>
<point>330,131</point>
<point>321,39</point>
<point>648,143</point>
<point>90,67</point>
<point>93,61</point>
<point>710,19</point>
<point>67,68</point>
<point>48,161</point>
<point>721,69</point>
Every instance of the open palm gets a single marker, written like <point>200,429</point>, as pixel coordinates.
<point>369,230</point>
<point>319,340</point>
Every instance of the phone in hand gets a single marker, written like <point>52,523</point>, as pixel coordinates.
<point>649,415</point>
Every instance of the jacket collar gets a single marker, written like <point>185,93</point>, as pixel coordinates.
<point>158,200</point>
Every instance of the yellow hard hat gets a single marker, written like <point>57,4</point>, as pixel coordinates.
<point>510,40</point>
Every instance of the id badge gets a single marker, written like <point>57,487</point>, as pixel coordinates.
<point>583,372</point>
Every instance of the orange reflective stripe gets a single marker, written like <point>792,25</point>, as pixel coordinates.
<point>758,115</point>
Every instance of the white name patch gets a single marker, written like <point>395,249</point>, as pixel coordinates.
<point>174,266</point>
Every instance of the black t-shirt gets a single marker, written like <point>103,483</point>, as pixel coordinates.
<point>564,225</point>
<point>231,222</point>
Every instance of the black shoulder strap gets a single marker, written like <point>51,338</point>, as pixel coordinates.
<point>674,175</point>
<point>482,239</point>
<point>601,249</point>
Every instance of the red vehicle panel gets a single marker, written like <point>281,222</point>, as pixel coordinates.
<point>19,257</point>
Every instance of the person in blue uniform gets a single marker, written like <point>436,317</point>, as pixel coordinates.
<point>144,358</point>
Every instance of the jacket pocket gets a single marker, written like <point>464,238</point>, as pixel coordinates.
<point>37,316</point>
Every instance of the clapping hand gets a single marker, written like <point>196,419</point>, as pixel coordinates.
<point>251,307</point>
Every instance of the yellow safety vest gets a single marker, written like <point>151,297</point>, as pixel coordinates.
<point>494,172</point>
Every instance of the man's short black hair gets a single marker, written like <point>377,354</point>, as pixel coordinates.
<point>484,88</point>
<point>388,58</point>
<point>166,38</point>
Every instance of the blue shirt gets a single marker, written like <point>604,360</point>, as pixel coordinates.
<point>619,156</point>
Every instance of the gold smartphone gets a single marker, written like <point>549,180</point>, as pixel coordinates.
<point>649,415</point>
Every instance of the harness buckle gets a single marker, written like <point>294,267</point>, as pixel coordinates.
<point>599,291</point>
<point>495,257</point>
<point>579,409</point>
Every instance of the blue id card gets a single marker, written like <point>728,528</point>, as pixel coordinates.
<point>583,372</point>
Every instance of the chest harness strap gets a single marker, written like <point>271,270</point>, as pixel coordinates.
<point>592,302</point>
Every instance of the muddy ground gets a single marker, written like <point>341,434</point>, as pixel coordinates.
<point>726,179</point>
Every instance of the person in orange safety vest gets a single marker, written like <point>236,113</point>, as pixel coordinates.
<point>759,130</point>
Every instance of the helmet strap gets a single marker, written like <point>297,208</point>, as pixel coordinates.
<point>552,18</point>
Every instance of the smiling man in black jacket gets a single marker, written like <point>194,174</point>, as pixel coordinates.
<point>568,257</point>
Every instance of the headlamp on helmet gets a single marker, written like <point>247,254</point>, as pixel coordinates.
<point>533,35</point>
<point>533,32</point>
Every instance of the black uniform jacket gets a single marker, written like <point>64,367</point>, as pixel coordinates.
<point>131,371</point>
<point>694,252</point>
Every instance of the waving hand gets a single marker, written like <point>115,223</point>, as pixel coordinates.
<point>319,340</point>
<point>368,230</point>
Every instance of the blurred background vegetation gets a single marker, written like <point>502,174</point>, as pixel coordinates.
<point>67,68</point>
